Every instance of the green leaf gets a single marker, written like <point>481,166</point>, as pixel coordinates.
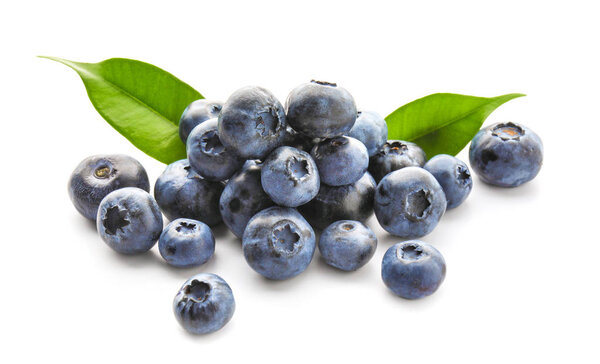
<point>442,123</point>
<point>141,101</point>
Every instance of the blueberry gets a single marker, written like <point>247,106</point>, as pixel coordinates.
<point>371,129</point>
<point>204,304</point>
<point>321,110</point>
<point>208,156</point>
<point>252,123</point>
<point>506,154</point>
<point>278,243</point>
<point>181,192</point>
<point>347,244</point>
<point>195,114</point>
<point>341,160</point>
<point>129,220</point>
<point>394,155</point>
<point>290,177</point>
<point>97,176</point>
<point>186,243</point>
<point>454,177</point>
<point>349,202</point>
<point>243,197</point>
<point>409,202</point>
<point>413,269</point>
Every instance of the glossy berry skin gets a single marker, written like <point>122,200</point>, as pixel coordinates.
<point>341,160</point>
<point>409,202</point>
<point>186,243</point>
<point>208,156</point>
<point>506,154</point>
<point>243,197</point>
<point>454,177</point>
<point>321,110</point>
<point>370,128</point>
<point>394,155</point>
<point>290,177</point>
<point>98,175</point>
<point>183,193</point>
<point>129,220</point>
<point>347,245</point>
<point>413,269</point>
<point>204,304</point>
<point>278,243</point>
<point>348,202</point>
<point>195,114</point>
<point>252,123</point>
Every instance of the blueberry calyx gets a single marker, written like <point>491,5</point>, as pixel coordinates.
<point>103,172</point>
<point>410,252</point>
<point>418,204</point>
<point>211,144</point>
<point>115,219</point>
<point>197,291</point>
<point>508,131</point>
<point>186,228</point>
<point>298,169</point>
<point>324,83</point>
<point>285,237</point>
<point>267,122</point>
<point>463,174</point>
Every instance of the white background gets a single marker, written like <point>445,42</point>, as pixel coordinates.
<point>522,282</point>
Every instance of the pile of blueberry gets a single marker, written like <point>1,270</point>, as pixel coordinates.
<point>271,174</point>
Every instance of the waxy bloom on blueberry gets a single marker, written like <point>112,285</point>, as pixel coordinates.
<point>347,244</point>
<point>409,202</point>
<point>129,220</point>
<point>204,304</point>
<point>506,154</point>
<point>394,155</point>
<point>290,177</point>
<point>98,175</point>
<point>252,123</point>
<point>341,160</point>
<point>186,243</point>
<point>413,269</point>
<point>181,192</point>
<point>371,129</point>
<point>454,177</point>
<point>321,109</point>
<point>207,155</point>
<point>278,243</point>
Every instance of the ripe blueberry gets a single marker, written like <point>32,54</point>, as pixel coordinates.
<point>97,176</point>
<point>252,123</point>
<point>341,160</point>
<point>290,177</point>
<point>208,156</point>
<point>181,192</point>
<point>347,244</point>
<point>278,243</point>
<point>321,110</point>
<point>506,154</point>
<point>409,202</point>
<point>454,177</point>
<point>204,304</point>
<point>395,154</point>
<point>186,243</point>
<point>413,269</point>
<point>129,220</point>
